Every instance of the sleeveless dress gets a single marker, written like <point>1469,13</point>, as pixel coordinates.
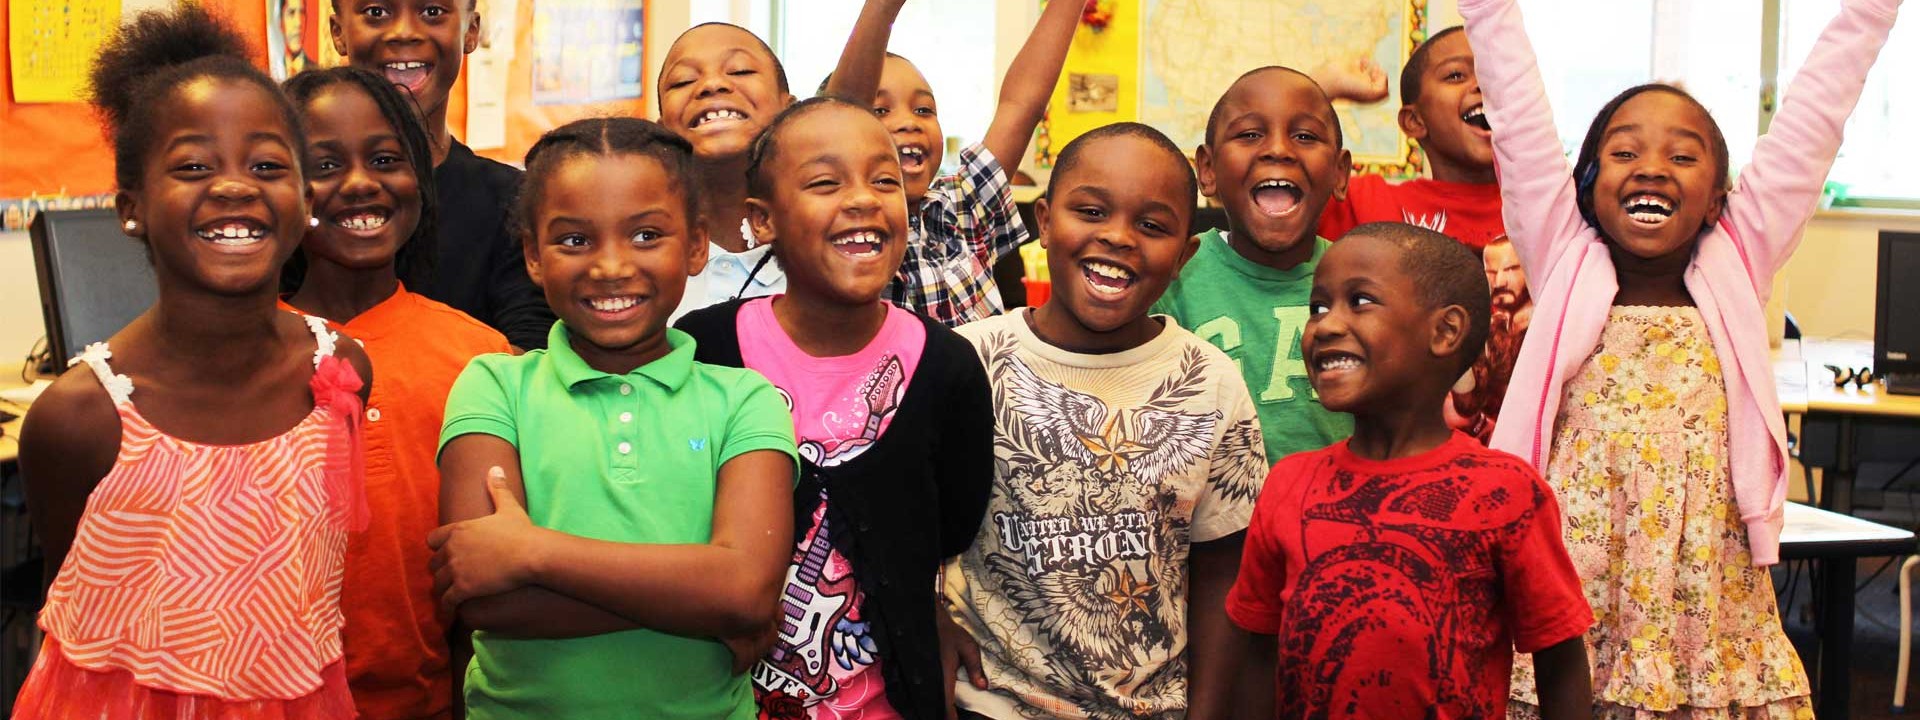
<point>204,580</point>
<point>1685,625</point>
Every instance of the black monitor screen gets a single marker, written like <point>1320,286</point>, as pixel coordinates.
<point>93,278</point>
<point>1896,336</point>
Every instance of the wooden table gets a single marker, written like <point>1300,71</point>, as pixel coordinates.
<point>1834,542</point>
<point>10,430</point>
<point>1841,427</point>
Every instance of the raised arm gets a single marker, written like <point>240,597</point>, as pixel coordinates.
<point>1536,181</point>
<point>1029,83</point>
<point>1358,80</point>
<point>1779,188</point>
<point>857,77</point>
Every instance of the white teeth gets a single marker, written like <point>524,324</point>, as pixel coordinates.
<point>613,304</point>
<point>1648,217</point>
<point>1108,271</point>
<point>363,222</point>
<point>868,239</point>
<point>234,234</point>
<point>1264,184</point>
<point>712,115</point>
<point>1120,275</point>
<point>407,65</point>
<point>912,152</point>
<point>1474,113</point>
<point>1339,362</point>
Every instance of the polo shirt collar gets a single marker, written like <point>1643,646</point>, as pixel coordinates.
<point>670,371</point>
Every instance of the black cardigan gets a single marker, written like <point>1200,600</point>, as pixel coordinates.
<point>914,499</point>
<point>479,268</point>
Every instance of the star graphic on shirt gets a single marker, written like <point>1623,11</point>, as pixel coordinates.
<point>1129,591</point>
<point>1111,449</point>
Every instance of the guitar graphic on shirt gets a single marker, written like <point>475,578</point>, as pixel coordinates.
<point>808,617</point>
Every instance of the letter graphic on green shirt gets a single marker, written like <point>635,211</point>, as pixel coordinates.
<point>1256,315</point>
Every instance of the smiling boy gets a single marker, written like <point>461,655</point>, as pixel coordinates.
<point>419,45</point>
<point>1394,575</point>
<point>1273,158</point>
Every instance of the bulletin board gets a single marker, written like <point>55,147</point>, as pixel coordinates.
<point>1165,62</point>
<point>59,150</point>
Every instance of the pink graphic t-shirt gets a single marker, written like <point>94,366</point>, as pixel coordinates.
<point>823,664</point>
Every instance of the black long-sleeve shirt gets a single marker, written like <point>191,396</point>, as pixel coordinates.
<point>479,268</point>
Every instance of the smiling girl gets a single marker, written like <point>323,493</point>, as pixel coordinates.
<point>195,482</point>
<point>1649,408</point>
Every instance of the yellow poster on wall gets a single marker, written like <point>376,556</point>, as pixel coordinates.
<point>50,42</point>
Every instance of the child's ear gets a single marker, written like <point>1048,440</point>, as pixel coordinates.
<point>1203,165</point>
<point>1450,327</point>
<point>130,222</point>
<point>1187,253</point>
<point>1040,219</point>
<point>339,35</point>
<point>697,247</point>
<point>1718,206</point>
<point>1412,124</point>
<point>760,220</point>
<point>1344,166</point>
<point>471,42</point>
<point>530,250</point>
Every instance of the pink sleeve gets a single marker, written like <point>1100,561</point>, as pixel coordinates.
<point>1779,188</point>
<point>1536,182</point>
<point>1254,602</point>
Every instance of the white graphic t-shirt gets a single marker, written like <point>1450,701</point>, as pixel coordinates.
<point>1108,468</point>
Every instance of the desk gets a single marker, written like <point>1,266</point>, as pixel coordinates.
<point>1842,427</point>
<point>10,431</point>
<point>1834,542</point>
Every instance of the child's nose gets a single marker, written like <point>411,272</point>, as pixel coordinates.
<point>234,190</point>
<point>610,263</point>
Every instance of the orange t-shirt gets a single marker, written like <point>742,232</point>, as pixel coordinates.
<point>396,635</point>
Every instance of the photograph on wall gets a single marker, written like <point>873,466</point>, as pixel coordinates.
<point>587,51</point>
<point>292,37</point>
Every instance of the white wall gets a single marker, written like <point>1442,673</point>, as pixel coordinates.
<point>20,323</point>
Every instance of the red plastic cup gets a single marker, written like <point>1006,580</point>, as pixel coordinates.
<point>1037,291</point>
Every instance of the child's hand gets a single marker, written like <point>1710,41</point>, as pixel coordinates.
<point>957,650</point>
<point>1360,80</point>
<point>484,556</point>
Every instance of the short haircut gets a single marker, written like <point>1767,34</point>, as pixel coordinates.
<point>146,60</point>
<point>766,147</point>
<point>1586,166</point>
<point>1213,117</point>
<point>822,90</point>
<point>779,70</point>
<point>602,137</point>
<point>1069,157</point>
<point>1444,272</point>
<point>1416,67</point>
<point>414,261</point>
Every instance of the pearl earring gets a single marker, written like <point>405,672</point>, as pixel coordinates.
<point>746,233</point>
<point>313,222</point>
<point>131,225</point>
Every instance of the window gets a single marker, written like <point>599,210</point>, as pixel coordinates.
<point>1716,49</point>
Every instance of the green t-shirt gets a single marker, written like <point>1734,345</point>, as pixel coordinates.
<point>1256,314</point>
<point>628,458</point>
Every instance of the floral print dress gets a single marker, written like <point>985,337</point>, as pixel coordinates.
<point>1685,625</point>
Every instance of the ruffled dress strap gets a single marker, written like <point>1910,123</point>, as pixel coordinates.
<point>336,387</point>
<point>95,356</point>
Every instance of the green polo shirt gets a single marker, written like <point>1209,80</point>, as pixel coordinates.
<point>627,458</point>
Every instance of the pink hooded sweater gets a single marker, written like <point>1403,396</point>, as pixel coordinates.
<point>1572,274</point>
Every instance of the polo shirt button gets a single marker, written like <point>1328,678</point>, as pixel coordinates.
<point>373,414</point>
<point>626,417</point>
<point>625,448</point>
<point>626,389</point>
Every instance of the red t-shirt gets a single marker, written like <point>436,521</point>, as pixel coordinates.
<point>1470,213</point>
<point>1402,585</point>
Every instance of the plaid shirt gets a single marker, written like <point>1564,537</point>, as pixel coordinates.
<point>966,223</point>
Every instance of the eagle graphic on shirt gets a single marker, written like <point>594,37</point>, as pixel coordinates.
<point>1090,519</point>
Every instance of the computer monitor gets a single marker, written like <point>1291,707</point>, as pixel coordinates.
<point>1896,313</point>
<point>93,278</point>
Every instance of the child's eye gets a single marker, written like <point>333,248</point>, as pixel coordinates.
<point>1092,213</point>
<point>1316,307</point>
<point>374,13</point>
<point>572,240</point>
<point>1623,155</point>
<point>1456,76</point>
<point>743,72</point>
<point>1305,137</point>
<point>1683,159</point>
<point>887,182</point>
<point>386,160</point>
<point>1153,228</point>
<point>433,11</point>
<point>880,112</point>
<point>1248,135</point>
<point>923,111</point>
<point>325,166</point>
<point>1364,300</point>
<point>645,236</point>
<point>192,166</point>
<point>679,83</point>
<point>269,167</point>
<point>822,184</point>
